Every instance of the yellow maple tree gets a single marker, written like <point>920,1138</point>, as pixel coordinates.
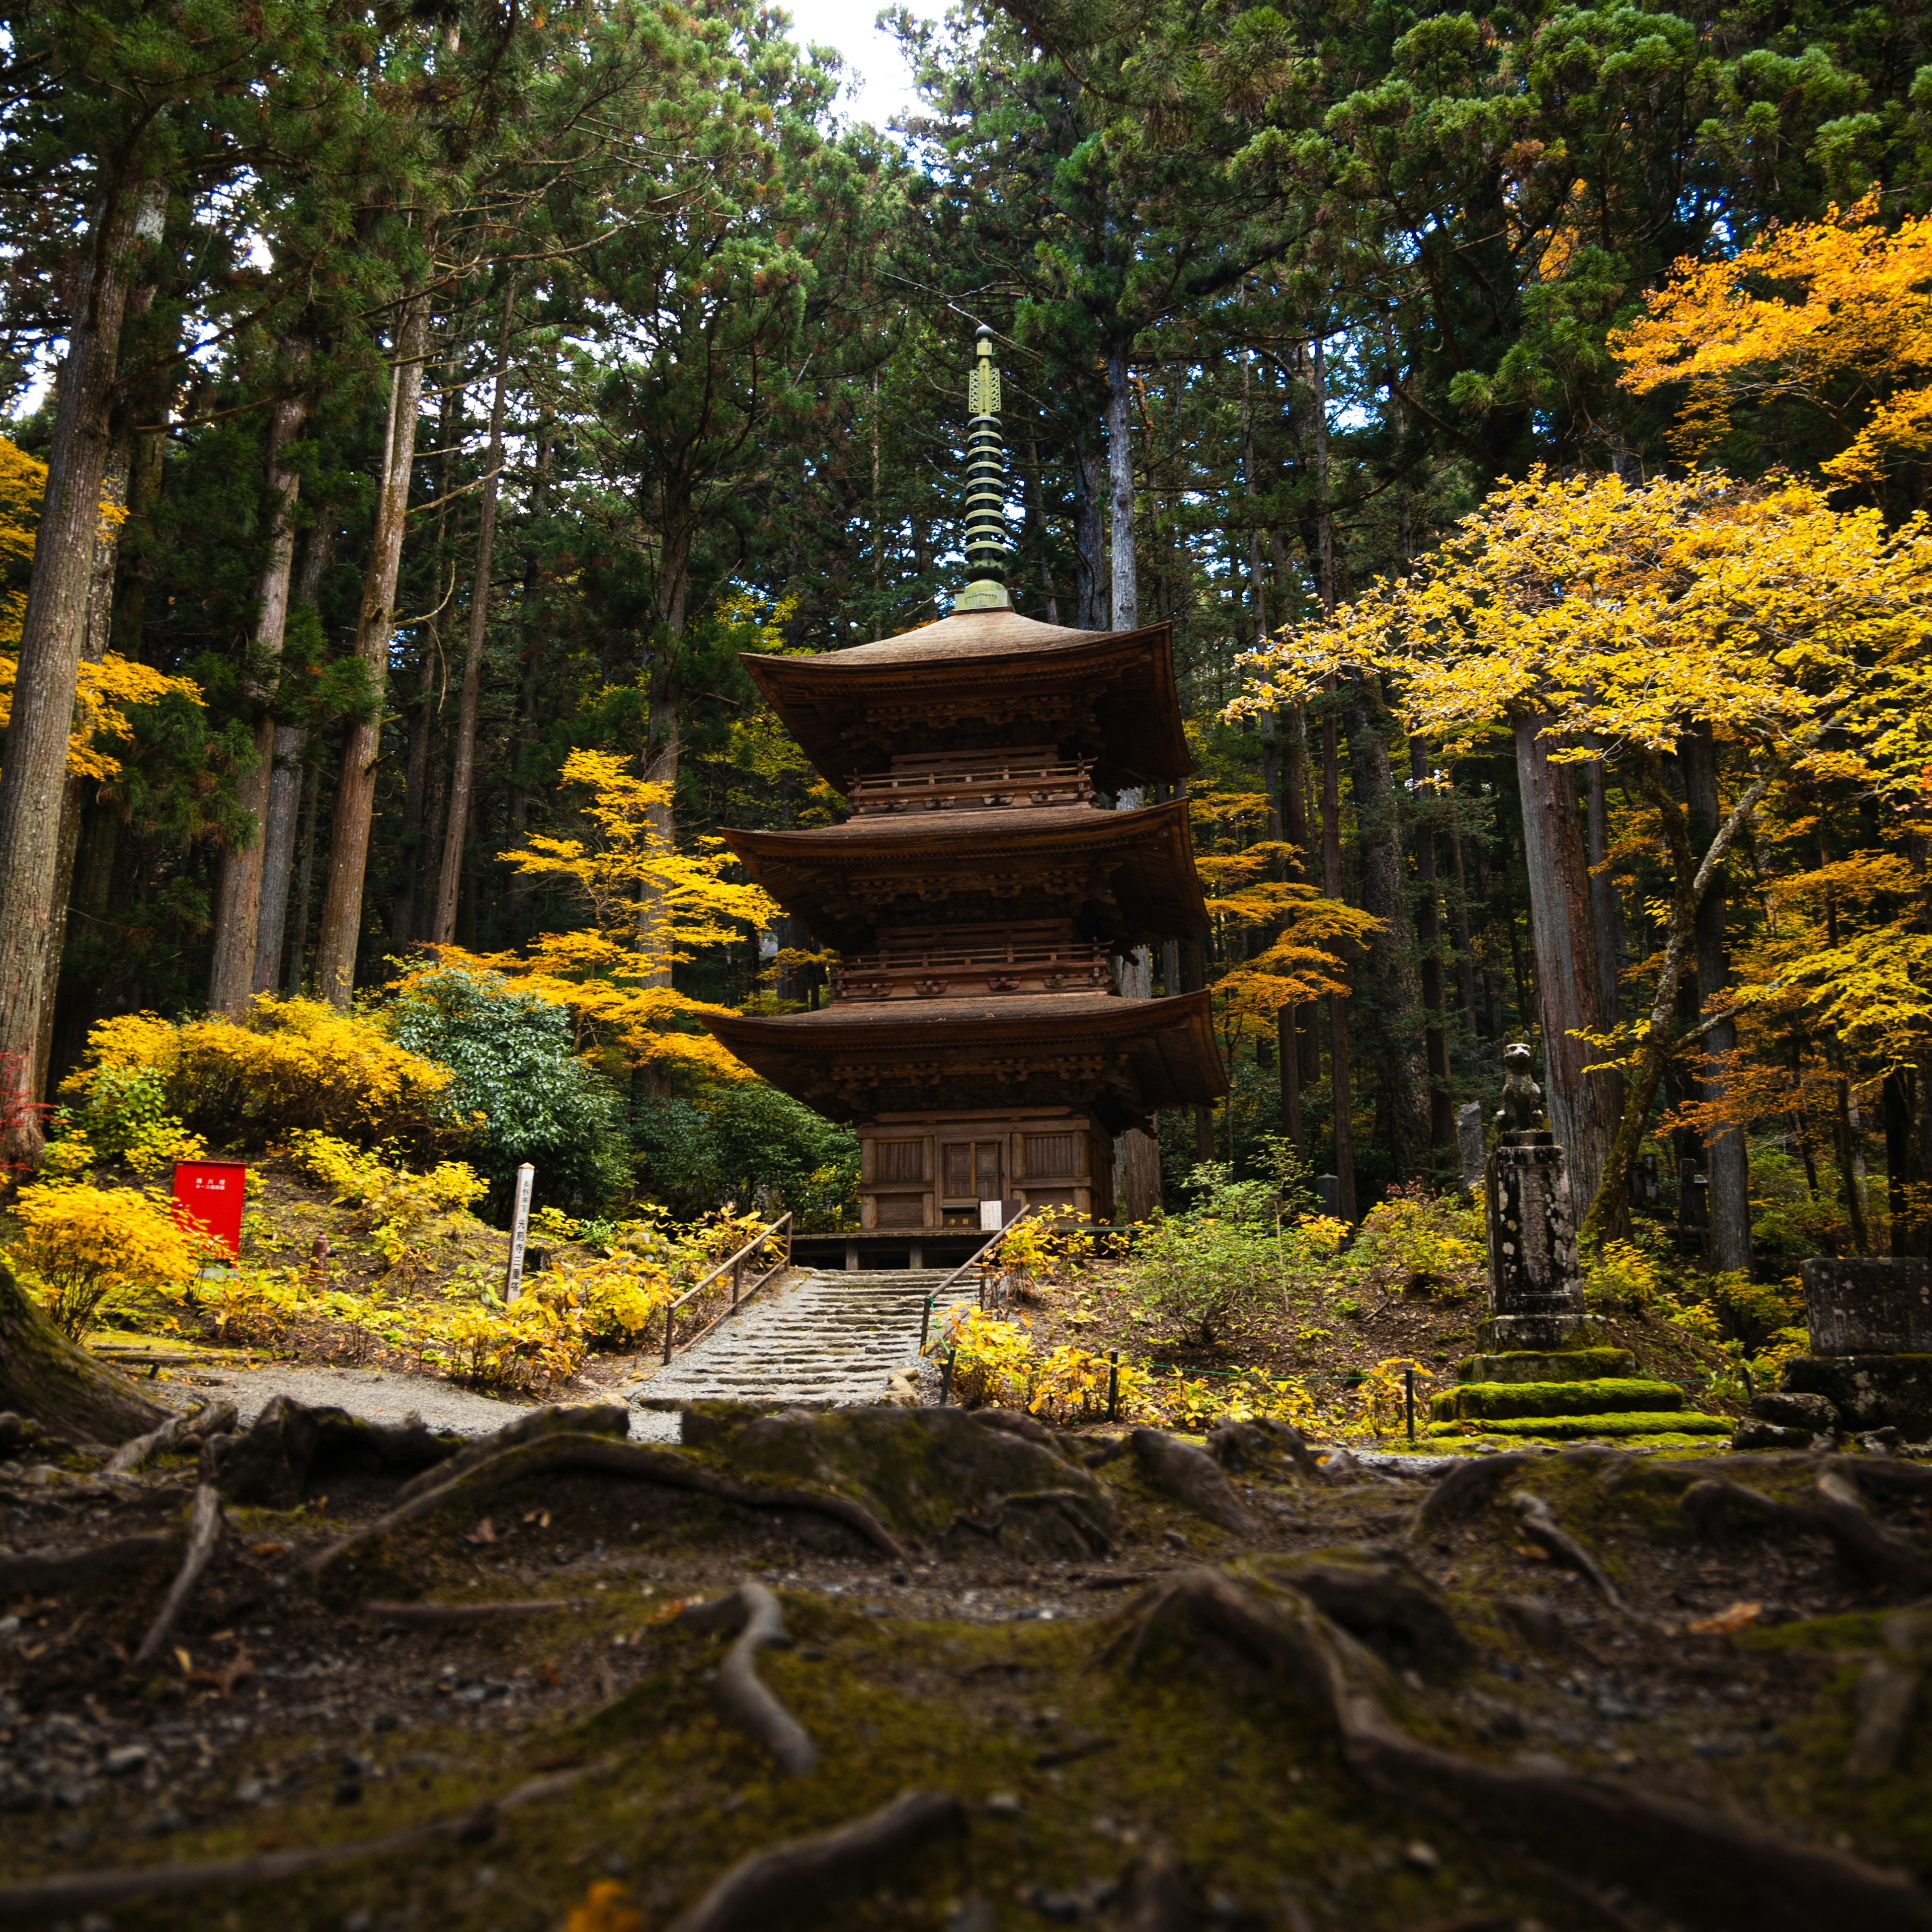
<point>650,904</point>
<point>1835,313</point>
<point>105,687</point>
<point>1617,616</point>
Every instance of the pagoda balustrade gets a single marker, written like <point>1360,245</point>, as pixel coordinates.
<point>965,780</point>
<point>964,972</point>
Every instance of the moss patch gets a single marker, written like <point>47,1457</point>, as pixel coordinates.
<point>1528,1365</point>
<point>1471,1401</point>
<point>1574,1428</point>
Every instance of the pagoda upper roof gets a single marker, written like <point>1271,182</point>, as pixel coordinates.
<point>1121,876</point>
<point>1125,1058</point>
<point>987,677</point>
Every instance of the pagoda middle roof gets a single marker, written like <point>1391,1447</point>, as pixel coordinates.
<point>1122,876</point>
<point>1126,1057</point>
<point>1106,695</point>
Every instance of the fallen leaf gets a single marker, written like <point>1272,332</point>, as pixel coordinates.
<point>543,1521</point>
<point>548,1673</point>
<point>485,1532</point>
<point>1534,1555</point>
<point>1725,1621</point>
<point>268,1549</point>
<point>186,1662</point>
<point>606,1907</point>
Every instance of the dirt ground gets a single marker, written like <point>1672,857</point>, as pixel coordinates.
<point>1126,1678</point>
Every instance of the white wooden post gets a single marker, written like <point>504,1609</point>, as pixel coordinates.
<point>520,1228</point>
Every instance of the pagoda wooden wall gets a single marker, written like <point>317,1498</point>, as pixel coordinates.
<point>922,1172</point>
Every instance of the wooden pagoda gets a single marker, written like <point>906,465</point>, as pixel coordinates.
<point>981,897</point>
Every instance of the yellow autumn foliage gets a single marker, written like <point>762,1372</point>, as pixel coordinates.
<point>81,1246</point>
<point>286,1065</point>
<point>105,688</point>
<point>1836,314</point>
<point>650,904</point>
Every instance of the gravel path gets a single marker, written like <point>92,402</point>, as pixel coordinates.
<point>377,1395</point>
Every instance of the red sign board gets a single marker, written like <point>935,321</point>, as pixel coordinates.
<point>211,1192</point>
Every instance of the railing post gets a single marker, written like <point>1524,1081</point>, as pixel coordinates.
<point>945,1379</point>
<point>1113,1385</point>
<point>737,1262</point>
<point>671,1316</point>
<point>924,1325</point>
<point>1408,1401</point>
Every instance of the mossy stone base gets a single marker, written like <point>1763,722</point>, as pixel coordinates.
<point>1474,1401</point>
<point>1573,1428</point>
<point>1871,1391</point>
<point>1531,1365</point>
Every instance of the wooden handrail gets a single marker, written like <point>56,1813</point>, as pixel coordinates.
<point>735,1263</point>
<point>973,1261</point>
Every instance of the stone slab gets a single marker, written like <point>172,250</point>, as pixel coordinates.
<point>1860,1305</point>
<point>1580,1428</point>
<point>1545,1365</point>
<point>1870,1391</point>
<point>1501,1334</point>
<point>1473,1402</point>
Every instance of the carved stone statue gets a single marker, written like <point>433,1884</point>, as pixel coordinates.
<point>1522,1098</point>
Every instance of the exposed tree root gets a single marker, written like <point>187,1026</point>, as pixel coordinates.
<point>1541,1527</point>
<point>209,1419</point>
<point>1677,1855</point>
<point>610,1418</point>
<point>440,1616</point>
<point>204,1528</point>
<point>1192,1477</point>
<point>1468,1486</point>
<point>756,1614</point>
<point>636,1460</point>
<point>769,1885</point>
<point>1069,1504</point>
<point>68,1893</point>
<point>1862,1543</point>
<point>1887,1693</point>
<point>1237,1446</point>
<point>45,1574</point>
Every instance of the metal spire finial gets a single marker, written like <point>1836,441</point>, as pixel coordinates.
<point>987,552</point>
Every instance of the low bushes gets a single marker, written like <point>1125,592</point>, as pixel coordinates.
<point>82,1246</point>
<point>290,1065</point>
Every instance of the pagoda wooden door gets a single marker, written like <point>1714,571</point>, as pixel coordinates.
<point>970,1171</point>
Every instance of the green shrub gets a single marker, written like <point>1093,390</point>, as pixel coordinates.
<point>727,1142</point>
<point>510,1059</point>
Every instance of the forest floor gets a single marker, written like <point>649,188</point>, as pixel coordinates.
<point>1150,1691</point>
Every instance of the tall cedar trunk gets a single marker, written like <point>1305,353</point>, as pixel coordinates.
<point>1603,904</point>
<point>1727,1158</point>
<point>238,905</point>
<point>1090,542</point>
<point>462,773</point>
<point>311,813</point>
<point>1340,1079</point>
<point>1294,826</point>
<point>1458,921</point>
<point>1429,947</point>
<point>1584,1109</point>
<point>1137,1178</point>
<point>74,792</point>
<point>1914,1237</point>
<point>666,729</point>
<point>287,777</point>
<point>341,930</point>
<point>33,776</point>
<point>1388,994</point>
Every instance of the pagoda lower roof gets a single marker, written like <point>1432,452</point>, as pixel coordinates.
<point>987,678</point>
<point>1123,1058</point>
<point>1121,876</point>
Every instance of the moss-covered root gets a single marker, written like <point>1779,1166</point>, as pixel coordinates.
<point>770,1886</point>
<point>1681,1859</point>
<point>66,1895</point>
<point>1467,1487</point>
<point>204,1531</point>
<point>1192,1477</point>
<point>610,1418</point>
<point>1866,1546</point>
<point>754,1613</point>
<point>1540,1525</point>
<point>633,1460</point>
<point>49,1380</point>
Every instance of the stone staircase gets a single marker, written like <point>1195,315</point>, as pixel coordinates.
<point>832,1340</point>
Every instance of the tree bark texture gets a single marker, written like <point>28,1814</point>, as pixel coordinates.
<point>341,928</point>
<point>287,778</point>
<point>1428,948</point>
<point>53,1382</point>
<point>238,906</point>
<point>1583,1109</point>
<point>463,773</point>
<point>1727,1159</point>
<point>1339,1075</point>
<point>1120,491</point>
<point>1388,992</point>
<point>53,633</point>
<point>1137,1152</point>
<point>1089,543</point>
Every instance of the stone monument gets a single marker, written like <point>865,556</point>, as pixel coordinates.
<point>1546,1369</point>
<point>1870,1326</point>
